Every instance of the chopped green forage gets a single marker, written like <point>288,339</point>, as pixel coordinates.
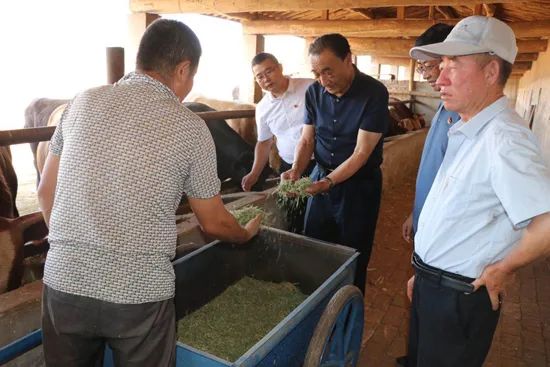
<point>238,318</point>
<point>247,213</point>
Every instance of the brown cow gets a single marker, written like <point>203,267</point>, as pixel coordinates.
<point>14,233</point>
<point>8,185</point>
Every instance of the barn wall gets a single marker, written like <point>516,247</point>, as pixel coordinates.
<point>533,100</point>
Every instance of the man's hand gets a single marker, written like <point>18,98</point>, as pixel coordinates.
<point>248,181</point>
<point>494,278</point>
<point>406,229</point>
<point>291,175</point>
<point>253,226</point>
<point>410,287</point>
<point>318,187</point>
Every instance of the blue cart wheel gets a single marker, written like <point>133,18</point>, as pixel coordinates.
<point>336,341</point>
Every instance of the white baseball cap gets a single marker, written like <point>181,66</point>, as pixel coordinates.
<point>473,35</point>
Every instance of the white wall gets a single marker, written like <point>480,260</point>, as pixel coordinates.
<point>533,100</point>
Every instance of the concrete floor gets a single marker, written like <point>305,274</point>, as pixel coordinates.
<point>523,334</point>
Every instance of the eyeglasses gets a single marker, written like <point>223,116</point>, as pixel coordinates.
<point>266,74</point>
<point>426,66</point>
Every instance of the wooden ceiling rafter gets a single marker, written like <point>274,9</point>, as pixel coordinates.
<point>490,9</point>
<point>446,11</point>
<point>375,28</point>
<point>367,12</point>
<point>232,6</point>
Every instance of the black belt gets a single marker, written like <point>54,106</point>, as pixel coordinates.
<point>446,279</point>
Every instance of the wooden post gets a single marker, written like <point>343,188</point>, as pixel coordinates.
<point>250,90</point>
<point>115,64</point>
<point>137,23</point>
<point>412,66</point>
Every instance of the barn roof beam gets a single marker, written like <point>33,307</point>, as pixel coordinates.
<point>523,60</point>
<point>400,47</point>
<point>367,13</point>
<point>374,28</point>
<point>232,6</point>
<point>446,11</point>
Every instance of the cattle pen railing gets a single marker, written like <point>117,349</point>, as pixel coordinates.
<point>36,134</point>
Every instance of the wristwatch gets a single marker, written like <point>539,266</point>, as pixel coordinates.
<point>330,182</point>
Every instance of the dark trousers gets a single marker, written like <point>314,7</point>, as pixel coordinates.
<point>449,328</point>
<point>76,329</point>
<point>347,215</point>
<point>295,216</point>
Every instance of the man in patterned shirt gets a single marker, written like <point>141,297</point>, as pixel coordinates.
<point>120,160</point>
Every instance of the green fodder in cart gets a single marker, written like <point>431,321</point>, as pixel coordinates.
<point>238,318</point>
<point>247,213</point>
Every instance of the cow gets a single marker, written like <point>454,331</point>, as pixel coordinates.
<point>14,234</point>
<point>234,155</point>
<point>37,114</point>
<point>8,185</point>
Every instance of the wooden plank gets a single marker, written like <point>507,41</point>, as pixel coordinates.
<point>367,13</point>
<point>446,11</point>
<point>400,47</point>
<point>527,57</point>
<point>232,6</point>
<point>490,9</point>
<point>385,60</point>
<point>400,12</point>
<point>31,135</point>
<point>476,9</point>
<point>374,28</point>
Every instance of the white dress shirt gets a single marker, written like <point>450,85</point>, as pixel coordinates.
<point>492,181</point>
<point>283,117</point>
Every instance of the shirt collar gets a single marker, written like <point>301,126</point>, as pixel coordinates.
<point>482,118</point>
<point>289,89</point>
<point>135,77</point>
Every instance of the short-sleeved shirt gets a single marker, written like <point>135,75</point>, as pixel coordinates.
<point>432,156</point>
<point>491,183</point>
<point>128,152</point>
<point>337,120</point>
<point>283,117</point>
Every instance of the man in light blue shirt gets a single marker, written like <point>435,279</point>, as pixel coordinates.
<point>436,141</point>
<point>488,211</point>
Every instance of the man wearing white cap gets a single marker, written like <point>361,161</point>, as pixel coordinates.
<point>488,211</point>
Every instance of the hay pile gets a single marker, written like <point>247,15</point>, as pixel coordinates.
<point>239,317</point>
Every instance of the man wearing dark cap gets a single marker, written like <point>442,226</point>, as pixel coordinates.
<point>436,141</point>
<point>488,211</point>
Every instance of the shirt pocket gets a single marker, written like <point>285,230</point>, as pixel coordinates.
<point>456,196</point>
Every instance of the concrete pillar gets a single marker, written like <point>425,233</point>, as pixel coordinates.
<point>250,91</point>
<point>137,23</point>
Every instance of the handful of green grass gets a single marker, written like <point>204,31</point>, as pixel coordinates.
<point>247,213</point>
<point>292,194</point>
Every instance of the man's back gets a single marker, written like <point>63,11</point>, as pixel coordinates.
<point>128,152</point>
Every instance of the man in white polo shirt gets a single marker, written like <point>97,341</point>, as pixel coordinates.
<point>279,114</point>
<point>488,211</point>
